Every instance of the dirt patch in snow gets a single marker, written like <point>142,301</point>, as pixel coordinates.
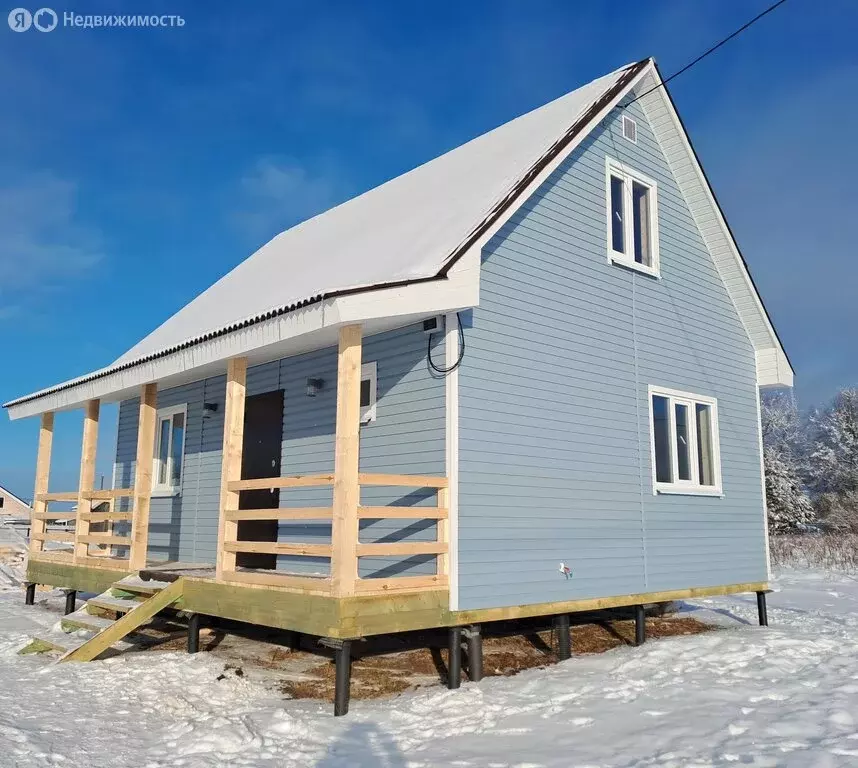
<point>390,665</point>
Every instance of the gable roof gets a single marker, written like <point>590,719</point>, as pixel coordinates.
<point>414,228</point>
<point>403,230</point>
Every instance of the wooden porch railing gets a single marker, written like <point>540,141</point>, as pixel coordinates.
<point>83,538</point>
<point>81,541</point>
<point>344,549</point>
<point>439,547</point>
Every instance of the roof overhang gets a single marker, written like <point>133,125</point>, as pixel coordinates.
<point>773,365</point>
<point>314,326</point>
<point>313,323</point>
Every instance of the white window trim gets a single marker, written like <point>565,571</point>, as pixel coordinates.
<point>616,168</point>
<point>634,122</point>
<point>686,487</point>
<point>159,489</point>
<point>369,371</point>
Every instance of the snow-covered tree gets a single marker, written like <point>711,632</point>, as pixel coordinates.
<point>833,460</point>
<point>788,504</point>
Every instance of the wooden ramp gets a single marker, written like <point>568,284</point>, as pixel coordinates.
<point>83,635</point>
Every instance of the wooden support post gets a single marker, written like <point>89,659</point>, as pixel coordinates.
<point>443,527</point>
<point>344,567</point>
<point>87,478</point>
<point>29,593</point>
<point>143,476</point>
<point>43,469</point>
<point>233,441</point>
<point>71,601</point>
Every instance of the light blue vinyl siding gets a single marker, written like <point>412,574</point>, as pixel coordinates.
<point>554,452</point>
<point>408,437</point>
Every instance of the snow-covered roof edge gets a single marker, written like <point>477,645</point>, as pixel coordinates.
<point>774,368</point>
<point>627,76</point>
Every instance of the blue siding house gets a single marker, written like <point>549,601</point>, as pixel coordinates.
<point>520,380</point>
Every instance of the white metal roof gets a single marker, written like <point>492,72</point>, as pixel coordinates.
<point>404,229</point>
<point>411,228</point>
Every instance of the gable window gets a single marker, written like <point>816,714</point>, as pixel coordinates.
<point>169,450</point>
<point>685,450</point>
<point>368,392</point>
<point>632,218</point>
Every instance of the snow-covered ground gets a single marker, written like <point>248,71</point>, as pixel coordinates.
<point>783,696</point>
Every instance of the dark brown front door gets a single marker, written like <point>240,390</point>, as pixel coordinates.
<point>263,438</point>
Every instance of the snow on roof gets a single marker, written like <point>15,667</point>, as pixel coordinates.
<point>403,230</point>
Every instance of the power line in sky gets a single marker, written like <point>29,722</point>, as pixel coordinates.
<point>710,50</point>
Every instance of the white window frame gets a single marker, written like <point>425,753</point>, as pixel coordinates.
<point>168,489</point>
<point>628,175</point>
<point>688,487</point>
<point>369,371</point>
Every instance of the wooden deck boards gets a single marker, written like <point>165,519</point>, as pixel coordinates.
<point>325,615</point>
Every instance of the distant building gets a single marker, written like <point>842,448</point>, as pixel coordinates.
<point>11,505</point>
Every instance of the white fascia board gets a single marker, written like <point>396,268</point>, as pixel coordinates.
<point>478,245</point>
<point>302,330</point>
<point>460,289</point>
<point>773,368</point>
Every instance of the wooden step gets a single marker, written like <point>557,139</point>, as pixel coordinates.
<point>165,595</point>
<point>108,602</point>
<point>56,641</point>
<point>138,586</point>
<point>80,619</point>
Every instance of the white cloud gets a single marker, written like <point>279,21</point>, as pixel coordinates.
<point>42,244</point>
<point>277,193</point>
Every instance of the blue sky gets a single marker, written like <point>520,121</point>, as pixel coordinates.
<point>139,165</point>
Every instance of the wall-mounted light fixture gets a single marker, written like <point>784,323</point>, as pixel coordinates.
<point>209,410</point>
<point>314,386</point>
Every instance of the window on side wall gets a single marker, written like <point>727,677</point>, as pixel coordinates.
<point>685,450</point>
<point>169,450</point>
<point>632,205</point>
<point>368,392</point>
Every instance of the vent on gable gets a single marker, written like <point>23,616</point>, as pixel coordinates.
<point>630,129</point>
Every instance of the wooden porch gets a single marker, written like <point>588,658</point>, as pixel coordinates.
<point>99,544</point>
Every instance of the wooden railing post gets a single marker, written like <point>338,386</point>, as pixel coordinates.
<point>443,529</point>
<point>143,476</point>
<point>344,567</point>
<point>43,470</point>
<point>233,441</point>
<point>87,477</point>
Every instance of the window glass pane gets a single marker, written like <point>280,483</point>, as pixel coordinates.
<point>661,436</point>
<point>617,233</point>
<point>682,445</point>
<point>705,459</point>
<point>177,449</point>
<point>365,387</point>
<point>163,450</point>
<point>641,223</point>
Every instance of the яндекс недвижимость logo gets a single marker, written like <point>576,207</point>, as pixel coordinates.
<point>44,20</point>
